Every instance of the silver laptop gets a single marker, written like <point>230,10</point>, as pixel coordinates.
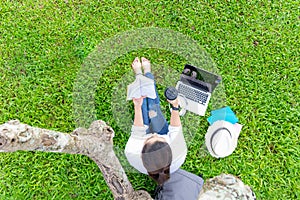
<point>195,87</point>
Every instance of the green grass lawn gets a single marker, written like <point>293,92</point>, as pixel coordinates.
<point>254,44</point>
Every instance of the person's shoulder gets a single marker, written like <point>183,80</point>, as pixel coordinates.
<point>136,140</point>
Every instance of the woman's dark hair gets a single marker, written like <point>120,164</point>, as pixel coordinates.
<point>157,158</point>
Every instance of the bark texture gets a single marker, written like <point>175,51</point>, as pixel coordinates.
<point>95,142</point>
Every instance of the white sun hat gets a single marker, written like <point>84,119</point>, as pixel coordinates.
<point>221,138</point>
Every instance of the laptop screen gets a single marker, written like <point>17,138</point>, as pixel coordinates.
<point>202,78</point>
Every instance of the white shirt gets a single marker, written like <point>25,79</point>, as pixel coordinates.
<point>135,144</point>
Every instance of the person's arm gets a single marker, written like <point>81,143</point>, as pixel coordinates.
<point>175,118</point>
<point>138,116</point>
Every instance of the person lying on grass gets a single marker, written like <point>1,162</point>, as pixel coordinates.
<point>154,147</point>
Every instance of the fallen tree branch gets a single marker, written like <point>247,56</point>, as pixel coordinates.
<point>95,142</point>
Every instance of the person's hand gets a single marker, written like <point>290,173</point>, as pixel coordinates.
<point>138,101</point>
<point>175,102</point>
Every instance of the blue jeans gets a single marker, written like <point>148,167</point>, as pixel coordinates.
<point>154,119</point>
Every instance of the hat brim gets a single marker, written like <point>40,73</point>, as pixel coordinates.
<point>213,130</point>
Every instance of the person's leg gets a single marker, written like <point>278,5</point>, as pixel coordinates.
<point>156,100</point>
<point>137,68</point>
<point>158,123</point>
<point>145,111</point>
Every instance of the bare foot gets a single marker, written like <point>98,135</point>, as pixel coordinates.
<point>146,65</point>
<point>136,66</point>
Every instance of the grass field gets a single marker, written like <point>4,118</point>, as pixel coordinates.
<point>254,44</point>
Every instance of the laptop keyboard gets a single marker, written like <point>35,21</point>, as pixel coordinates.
<point>193,94</point>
